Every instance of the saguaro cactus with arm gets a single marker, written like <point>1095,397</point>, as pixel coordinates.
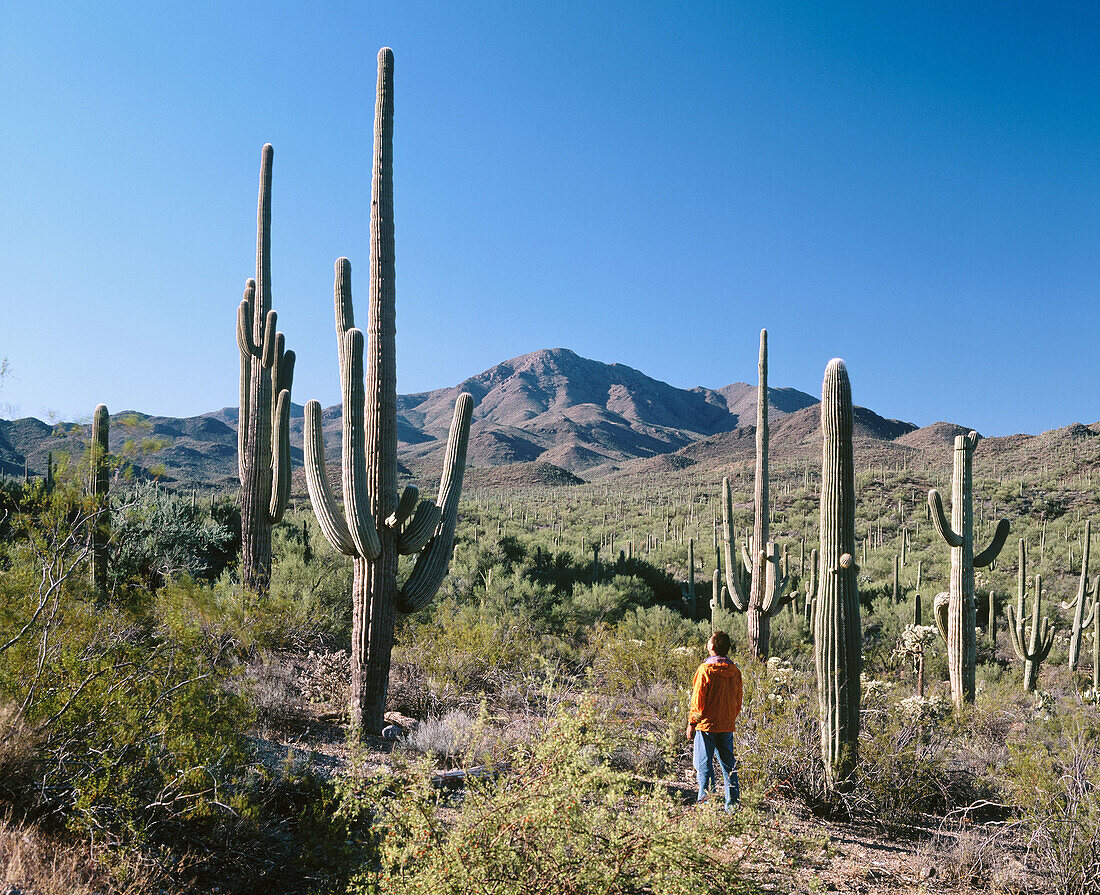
<point>376,526</point>
<point>1032,652</point>
<point>766,593</point>
<point>838,636</point>
<point>263,419</point>
<point>959,535</point>
<point>1083,604</point>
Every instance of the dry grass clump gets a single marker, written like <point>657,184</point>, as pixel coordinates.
<point>31,862</point>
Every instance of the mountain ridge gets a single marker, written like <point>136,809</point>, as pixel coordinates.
<point>550,407</point>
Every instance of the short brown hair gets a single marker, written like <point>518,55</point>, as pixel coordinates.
<point>720,643</point>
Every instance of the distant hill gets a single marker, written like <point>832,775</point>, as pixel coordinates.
<point>552,413</point>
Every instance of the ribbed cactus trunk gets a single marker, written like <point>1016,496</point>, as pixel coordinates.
<point>961,614</point>
<point>100,482</point>
<point>959,536</point>
<point>375,607</point>
<point>263,422</point>
<point>836,619</point>
<point>376,527</point>
<point>255,530</point>
<point>757,621</point>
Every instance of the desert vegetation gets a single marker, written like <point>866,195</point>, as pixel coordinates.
<point>491,696</point>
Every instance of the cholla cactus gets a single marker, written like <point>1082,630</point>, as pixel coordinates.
<point>959,535</point>
<point>1034,651</point>
<point>376,527</point>
<point>915,640</point>
<point>263,420</point>
<point>766,593</point>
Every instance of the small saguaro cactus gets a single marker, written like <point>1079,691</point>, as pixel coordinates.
<point>1096,644</point>
<point>376,527</point>
<point>688,590</point>
<point>263,420</point>
<point>1034,650</point>
<point>959,535</point>
<point>811,593</point>
<point>838,637</point>
<point>766,593</point>
<point>98,485</point>
<point>1083,603</point>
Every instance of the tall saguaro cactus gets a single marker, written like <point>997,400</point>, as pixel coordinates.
<point>959,535</point>
<point>98,485</point>
<point>375,527</point>
<point>1083,604</point>
<point>263,421</point>
<point>1033,651</point>
<point>766,592</point>
<point>838,637</point>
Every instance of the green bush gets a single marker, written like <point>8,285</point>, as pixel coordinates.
<point>557,818</point>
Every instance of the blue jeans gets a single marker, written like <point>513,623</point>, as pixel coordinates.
<point>706,744</point>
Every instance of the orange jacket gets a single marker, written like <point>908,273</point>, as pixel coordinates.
<point>715,696</point>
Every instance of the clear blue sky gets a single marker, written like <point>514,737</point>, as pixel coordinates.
<point>910,186</point>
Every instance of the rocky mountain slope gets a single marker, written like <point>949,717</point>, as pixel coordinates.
<point>550,409</point>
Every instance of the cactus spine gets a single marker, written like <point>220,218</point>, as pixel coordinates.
<point>263,423</point>
<point>1085,592</point>
<point>376,526</point>
<point>766,592</point>
<point>959,535</point>
<point>99,485</point>
<point>1037,648</point>
<point>837,633</point>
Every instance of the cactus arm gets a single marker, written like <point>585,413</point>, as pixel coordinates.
<point>280,459</point>
<point>935,503</point>
<point>420,528</point>
<point>329,517</point>
<point>983,559</point>
<point>345,313</point>
<point>733,576</point>
<point>746,558</point>
<point>940,605</point>
<point>405,507</point>
<point>244,321</point>
<point>270,341</point>
<point>1046,641</point>
<point>776,595</point>
<point>1015,630</point>
<point>286,372</point>
<point>431,566</point>
<point>357,506</point>
<point>248,349</point>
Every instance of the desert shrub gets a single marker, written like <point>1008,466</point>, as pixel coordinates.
<point>156,535</point>
<point>1054,777</point>
<point>457,737</point>
<point>463,649</point>
<point>649,646</point>
<point>536,825</point>
<point>311,581</point>
<point>606,601</point>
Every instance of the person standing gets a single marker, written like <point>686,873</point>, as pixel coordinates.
<point>716,694</point>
